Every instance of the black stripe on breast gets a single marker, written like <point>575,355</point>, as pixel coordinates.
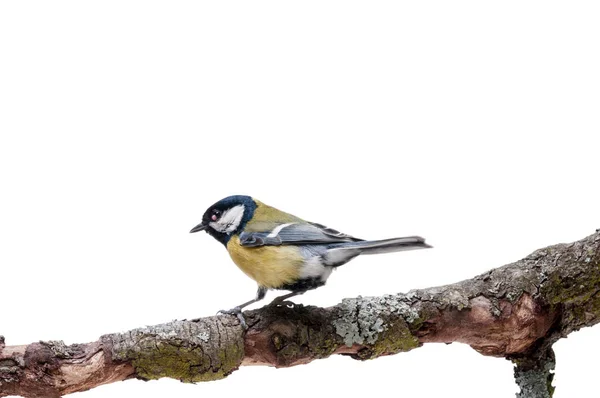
<point>302,285</point>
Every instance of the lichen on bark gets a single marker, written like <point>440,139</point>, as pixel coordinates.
<point>534,373</point>
<point>379,324</point>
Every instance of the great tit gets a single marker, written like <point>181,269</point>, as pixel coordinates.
<point>281,251</point>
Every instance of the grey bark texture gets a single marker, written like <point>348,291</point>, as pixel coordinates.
<point>516,311</point>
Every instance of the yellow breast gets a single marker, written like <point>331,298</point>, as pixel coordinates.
<point>269,266</point>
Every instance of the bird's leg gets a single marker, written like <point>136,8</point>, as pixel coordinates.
<point>237,311</point>
<point>279,300</point>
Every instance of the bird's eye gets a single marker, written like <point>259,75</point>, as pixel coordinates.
<point>215,215</point>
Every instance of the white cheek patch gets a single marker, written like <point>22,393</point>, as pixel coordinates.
<point>230,220</point>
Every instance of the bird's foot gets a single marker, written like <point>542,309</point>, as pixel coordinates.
<point>237,311</point>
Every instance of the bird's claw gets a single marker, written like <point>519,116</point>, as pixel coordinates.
<point>237,311</point>
<point>233,311</point>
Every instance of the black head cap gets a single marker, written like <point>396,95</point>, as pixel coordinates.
<point>227,217</point>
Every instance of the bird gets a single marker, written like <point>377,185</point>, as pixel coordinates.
<point>283,252</point>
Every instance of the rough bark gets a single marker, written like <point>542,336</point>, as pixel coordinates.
<point>516,311</point>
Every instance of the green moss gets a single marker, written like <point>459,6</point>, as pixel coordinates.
<point>306,341</point>
<point>578,293</point>
<point>394,339</point>
<point>580,315</point>
<point>289,353</point>
<point>563,290</point>
<point>277,341</point>
<point>416,323</point>
<point>184,363</point>
<point>323,345</point>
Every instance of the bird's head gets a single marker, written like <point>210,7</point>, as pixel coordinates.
<point>227,217</point>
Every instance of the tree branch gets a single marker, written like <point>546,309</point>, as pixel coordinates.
<point>533,374</point>
<point>516,311</point>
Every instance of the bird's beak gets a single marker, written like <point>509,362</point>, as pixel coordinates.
<point>199,227</point>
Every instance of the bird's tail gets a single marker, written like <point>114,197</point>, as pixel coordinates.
<point>385,245</point>
<point>340,253</point>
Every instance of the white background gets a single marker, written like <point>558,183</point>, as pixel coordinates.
<point>474,124</point>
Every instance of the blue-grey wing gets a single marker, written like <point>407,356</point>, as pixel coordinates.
<point>295,234</point>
